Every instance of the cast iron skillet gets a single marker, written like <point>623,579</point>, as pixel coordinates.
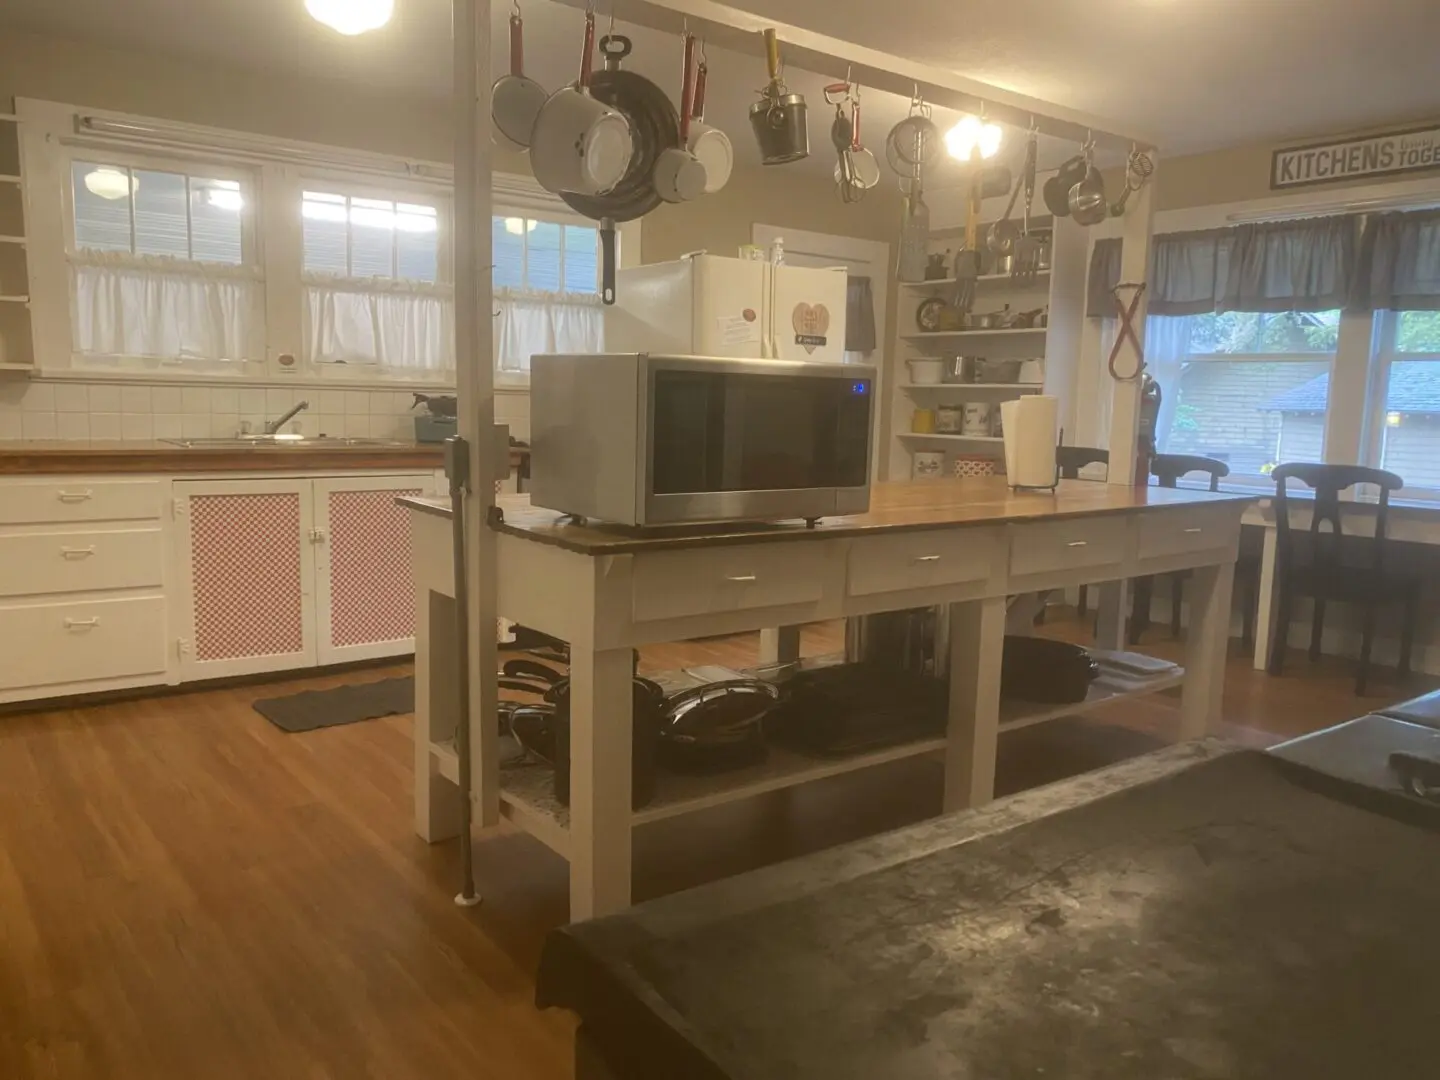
<point>655,127</point>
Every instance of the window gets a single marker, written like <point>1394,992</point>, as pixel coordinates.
<point>1249,389</point>
<point>1407,429</point>
<point>373,285</point>
<point>161,264</point>
<point>547,281</point>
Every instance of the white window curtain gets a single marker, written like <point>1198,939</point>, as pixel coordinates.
<point>1167,348</point>
<point>530,321</point>
<point>402,325</point>
<point>154,306</point>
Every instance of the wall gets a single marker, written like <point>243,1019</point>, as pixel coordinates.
<point>341,114</point>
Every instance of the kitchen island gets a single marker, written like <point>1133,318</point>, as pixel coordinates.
<point>971,544</point>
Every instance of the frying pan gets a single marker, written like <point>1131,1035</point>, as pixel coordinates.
<point>516,99</point>
<point>655,126</point>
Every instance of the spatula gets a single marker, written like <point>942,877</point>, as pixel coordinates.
<point>1027,248</point>
<point>967,259</point>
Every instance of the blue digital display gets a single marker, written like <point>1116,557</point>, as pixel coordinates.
<point>860,388</point>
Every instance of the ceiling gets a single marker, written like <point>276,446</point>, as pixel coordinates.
<point>1192,74</point>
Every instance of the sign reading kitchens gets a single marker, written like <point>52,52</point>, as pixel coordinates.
<point>1352,159</point>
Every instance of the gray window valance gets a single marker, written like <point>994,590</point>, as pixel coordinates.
<point>1305,265</point>
<point>1399,263</point>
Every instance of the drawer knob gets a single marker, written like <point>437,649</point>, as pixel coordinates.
<point>740,577</point>
<point>75,496</point>
<point>82,624</point>
<point>1078,543</point>
<point>1196,529</point>
<point>77,552</point>
<point>927,558</point>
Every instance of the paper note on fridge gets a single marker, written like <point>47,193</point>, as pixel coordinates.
<point>741,329</point>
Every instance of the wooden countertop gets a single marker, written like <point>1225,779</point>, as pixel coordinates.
<point>896,507</point>
<point>56,457</point>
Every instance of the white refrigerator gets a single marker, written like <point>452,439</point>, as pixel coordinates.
<point>708,305</point>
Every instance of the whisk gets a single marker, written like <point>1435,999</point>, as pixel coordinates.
<point>1139,167</point>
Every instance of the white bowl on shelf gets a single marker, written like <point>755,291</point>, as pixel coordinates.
<point>926,372</point>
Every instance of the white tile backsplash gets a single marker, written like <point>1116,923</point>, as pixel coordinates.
<point>136,427</point>
<point>105,425</point>
<point>111,411</point>
<point>72,425</point>
<point>135,399</point>
<point>38,425</point>
<point>104,399</point>
<point>72,398</point>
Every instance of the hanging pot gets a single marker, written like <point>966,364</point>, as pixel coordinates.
<point>579,143</point>
<point>1056,191</point>
<point>778,118</point>
<point>709,144</point>
<point>655,126</point>
<point>679,174</point>
<point>515,99</point>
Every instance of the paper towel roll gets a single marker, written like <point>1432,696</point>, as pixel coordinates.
<point>1030,426</point>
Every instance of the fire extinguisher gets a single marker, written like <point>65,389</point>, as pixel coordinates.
<point>1149,422</point>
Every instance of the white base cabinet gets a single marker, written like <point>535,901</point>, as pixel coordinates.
<point>116,583</point>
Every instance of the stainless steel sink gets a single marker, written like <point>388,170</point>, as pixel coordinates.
<point>288,442</point>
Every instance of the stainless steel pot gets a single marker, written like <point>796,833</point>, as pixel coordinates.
<point>915,641</point>
<point>962,369</point>
<point>779,117</point>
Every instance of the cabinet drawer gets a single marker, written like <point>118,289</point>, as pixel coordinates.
<point>1183,531</point>
<point>79,642</point>
<point>669,585</point>
<point>920,560</point>
<point>61,500</point>
<point>59,562</point>
<point>1067,545</point>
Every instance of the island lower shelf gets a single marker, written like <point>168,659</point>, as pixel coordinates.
<point>528,802</point>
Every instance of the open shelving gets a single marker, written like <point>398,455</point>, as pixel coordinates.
<point>937,436</point>
<point>924,335</point>
<point>983,279</point>
<point>16,336</point>
<point>977,387</point>
<point>527,797</point>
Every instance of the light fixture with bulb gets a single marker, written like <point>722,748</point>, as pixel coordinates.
<point>109,183</point>
<point>973,134</point>
<point>351,17</point>
<point>519,226</point>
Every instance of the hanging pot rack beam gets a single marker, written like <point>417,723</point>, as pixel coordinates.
<point>739,31</point>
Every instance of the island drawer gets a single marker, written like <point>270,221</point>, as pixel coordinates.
<point>1057,546</point>
<point>1178,532</point>
<point>919,560</point>
<point>675,584</point>
<point>63,499</point>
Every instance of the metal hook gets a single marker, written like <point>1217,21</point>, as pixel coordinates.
<point>612,20</point>
<point>515,8</point>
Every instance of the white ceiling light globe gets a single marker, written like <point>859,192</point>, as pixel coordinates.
<point>351,16</point>
<point>972,134</point>
<point>110,183</point>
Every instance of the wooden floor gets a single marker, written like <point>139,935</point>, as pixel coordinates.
<point>187,892</point>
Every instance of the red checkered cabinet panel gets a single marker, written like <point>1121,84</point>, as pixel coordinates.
<point>367,592</point>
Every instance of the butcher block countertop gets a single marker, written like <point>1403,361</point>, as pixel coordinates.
<point>894,507</point>
<point>55,457</point>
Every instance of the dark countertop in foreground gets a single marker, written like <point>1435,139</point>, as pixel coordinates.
<point>901,506</point>
<point>25,458</point>
<point>1191,913</point>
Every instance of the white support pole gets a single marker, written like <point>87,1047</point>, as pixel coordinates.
<point>1125,400</point>
<point>475,383</point>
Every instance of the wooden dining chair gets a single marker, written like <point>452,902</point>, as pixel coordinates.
<point>1167,470</point>
<point>1324,575</point>
<point>1070,460</point>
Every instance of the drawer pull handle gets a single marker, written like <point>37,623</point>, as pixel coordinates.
<point>1196,529</point>
<point>927,558</point>
<point>740,577</point>
<point>82,624</point>
<point>75,496</point>
<point>77,553</point>
<point>1078,543</point>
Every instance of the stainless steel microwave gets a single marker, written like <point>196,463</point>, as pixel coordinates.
<point>644,440</point>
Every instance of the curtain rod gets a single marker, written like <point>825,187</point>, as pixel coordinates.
<point>1337,206</point>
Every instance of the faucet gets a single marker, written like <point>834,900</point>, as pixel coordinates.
<point>275,425</point>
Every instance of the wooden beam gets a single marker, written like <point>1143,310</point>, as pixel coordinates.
<point>739,31</point>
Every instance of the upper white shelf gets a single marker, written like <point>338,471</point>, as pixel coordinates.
<point>1040,275</point>
<point>999,387</point>
<point>931,334</point>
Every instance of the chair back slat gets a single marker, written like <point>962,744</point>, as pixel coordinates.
<point>1169,468</point>
<point>1328,481</point>
<point>1071,459</point>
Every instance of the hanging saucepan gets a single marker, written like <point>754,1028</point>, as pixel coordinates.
<point>656,128</point>
<point>709,144</point>
<point>679,174</point>
<point>1056,191</point>
<point>579,143</point>
<point>515,99</point>
<point>778,118</point>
